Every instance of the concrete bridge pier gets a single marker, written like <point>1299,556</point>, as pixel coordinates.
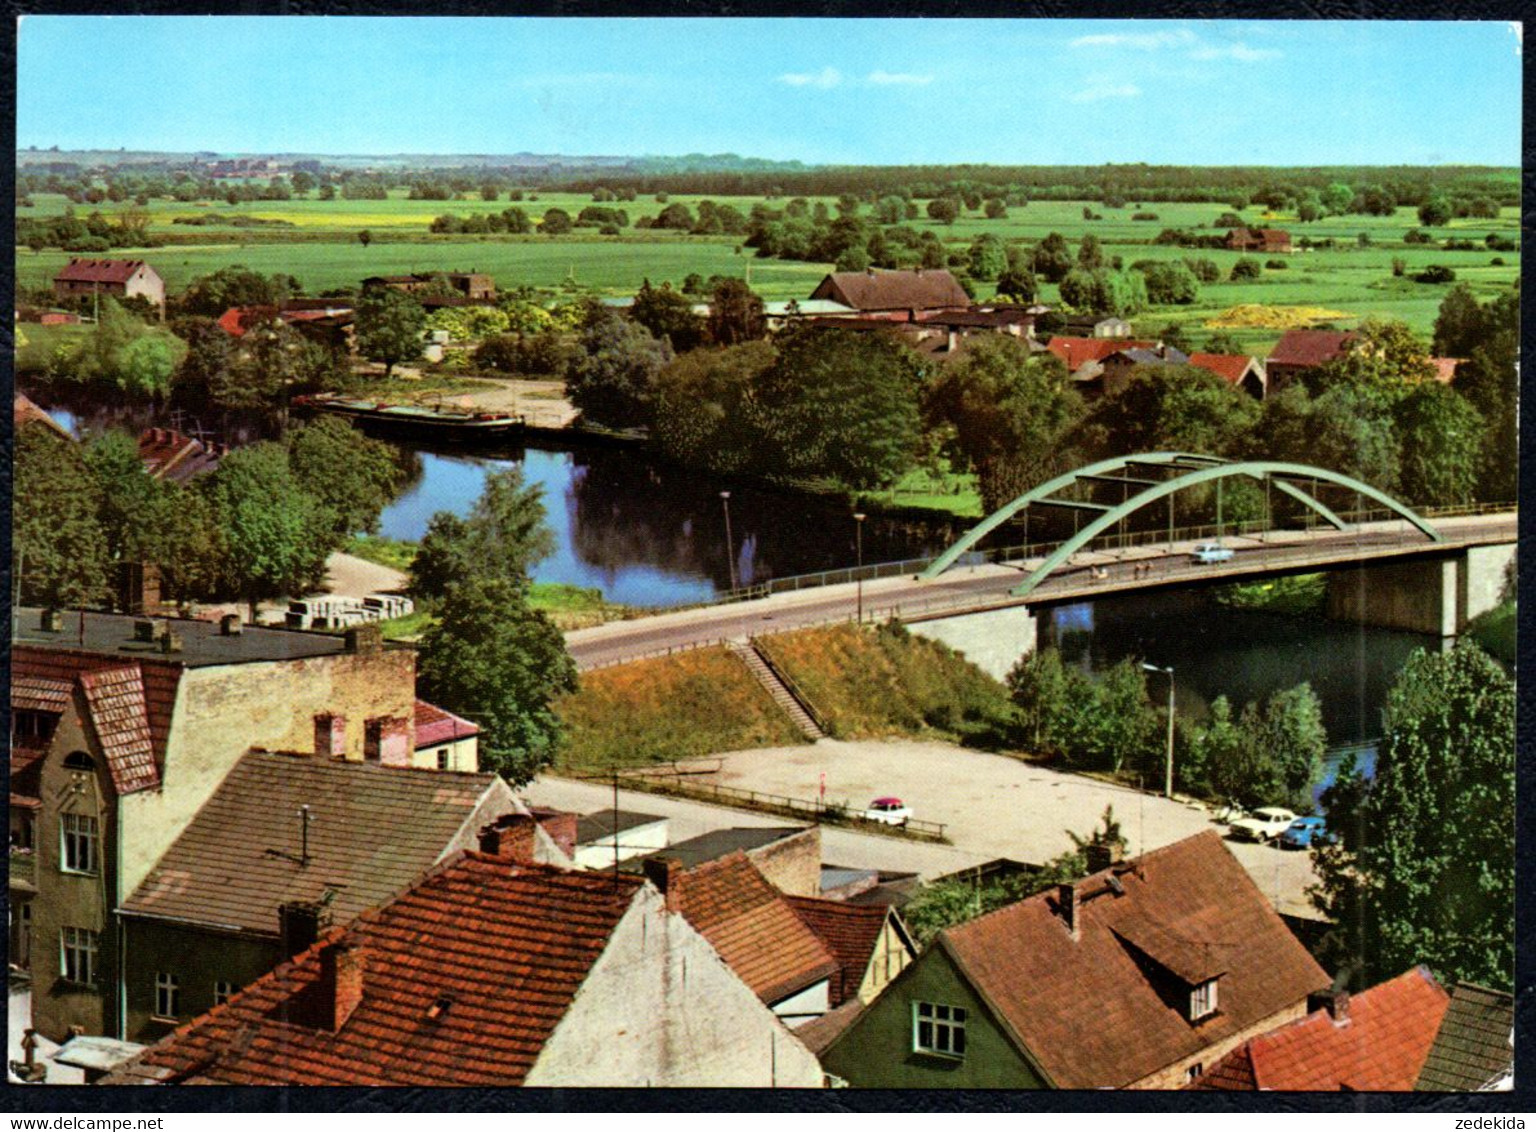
<point>993,640</point>
<point>1436,596</point>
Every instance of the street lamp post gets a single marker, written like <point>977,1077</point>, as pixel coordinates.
<point>730,546</point>
<point>1168,773</point>
<point>858,577</point>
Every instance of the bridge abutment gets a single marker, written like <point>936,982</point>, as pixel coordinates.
<point>993,640</point>
<point>1437,597</point>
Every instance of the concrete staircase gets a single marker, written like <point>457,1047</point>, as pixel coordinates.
<point>769,679</point>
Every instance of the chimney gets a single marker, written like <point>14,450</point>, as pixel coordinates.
<point>147,629</point>
<point>52,621</point>
<point>513,836</point>
<point>341,984</point>
<point>664,873</point>
<point>170,641</point>
<point>1335,1001</point>
<point>300,923</point>
<point>229,625</point>
<point>1101,855</point>
<point>1066,898</point>
<point>560,826</point>
<point>331,736</point>
<point>365,639</point>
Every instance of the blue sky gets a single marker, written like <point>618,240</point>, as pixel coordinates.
<point>858,91</point>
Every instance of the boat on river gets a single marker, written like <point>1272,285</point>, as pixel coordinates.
<point>435,422</point>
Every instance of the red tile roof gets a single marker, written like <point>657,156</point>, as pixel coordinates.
<point>99,270</point>
<point>1310,347</point>
<point>850,932</point>
<point>115,700</point>
<point>466,977</point>
<point>434,725</point>
<point>1445,368</point>
<point>1229,367</point>
<point>753,927</point>
<point>1076,352</point>
<point>1380,1046</point>
<point>892,290</point>
<point>1106,1009</point>
<point>160,679</point>
<point>373,830</point>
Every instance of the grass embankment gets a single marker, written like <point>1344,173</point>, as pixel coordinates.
<point>874,683</point>
<point>1496,631</point>
<point>677,707</point>
<point>1296,595</point>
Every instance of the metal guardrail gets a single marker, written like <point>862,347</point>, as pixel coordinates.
<point>783,804</point>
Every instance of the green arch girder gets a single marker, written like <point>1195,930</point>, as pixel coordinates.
<point>1254,469</point>
<point>1035,494</point>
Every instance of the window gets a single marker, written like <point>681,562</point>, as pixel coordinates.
<point>77,956</point>
<point>223,992</point>
<point>442,759</point>
<point>373,734</point>
<point>1193,1072</point>
<point>78,835</point>
<point>79,760</point>
<point>938,1029</point>
<point>32,726</point>
<point>1202,1000</point>
<point>167,992</point>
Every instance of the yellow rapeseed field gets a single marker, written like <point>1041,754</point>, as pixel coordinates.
<point>1261,317</point>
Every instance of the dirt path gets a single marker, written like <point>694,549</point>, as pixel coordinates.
<point>349,576</point>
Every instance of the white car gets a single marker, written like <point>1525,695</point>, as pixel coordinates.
<point>1208,552</point>
<point>888,811</point>
<point>1265,824</point>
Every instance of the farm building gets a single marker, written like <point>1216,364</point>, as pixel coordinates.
<point>1258,240</point>
<point>898,295</point>
<point>121,278</point>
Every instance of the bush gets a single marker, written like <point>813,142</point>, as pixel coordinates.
<point>1245,268</point>
<point>1435,273</point>
<point>1496,261</point>
<point>1205,270</point>
<point>1414,236</point>
<point>1145,216</point>
<point>1276,264</point>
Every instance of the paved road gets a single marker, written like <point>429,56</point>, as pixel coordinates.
<point>1091,575</point>
<point>993,806</point>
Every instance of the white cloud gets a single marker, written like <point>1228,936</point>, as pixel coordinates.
<point>1241,52</point>
<point>1096,93</point>
<point>887,78</point>
<point>824,79</point>
<point>1141,41</point>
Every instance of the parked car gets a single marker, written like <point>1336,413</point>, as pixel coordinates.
<point>1265,824</point>
<point>1228,813</point>
<point>1303,832</point>
<point>1208,552</point>
<point>888,811</point>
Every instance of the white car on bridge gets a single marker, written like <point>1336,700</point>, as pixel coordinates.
<point>1207,552</point>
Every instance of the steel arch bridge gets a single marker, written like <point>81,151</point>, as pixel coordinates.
<point>1189,469</point>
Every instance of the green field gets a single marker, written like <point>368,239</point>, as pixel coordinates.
<point>321,249</point>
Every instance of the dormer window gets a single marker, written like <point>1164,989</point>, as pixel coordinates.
<point>1202,1000</point>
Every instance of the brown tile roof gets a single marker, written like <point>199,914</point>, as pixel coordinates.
<point>373,830</point>
<point>40,693</point>
<point>1076,352</point>
<point>1445,368</point>
<point>1229,367</point>
<point>115,699</point>
<point>466,977</point>
<point>849,931</point>
<point>1379,1047</point>
<point>819,1033</point>
<point>1472,1048</point>
<point>1095,1011</point>
<point>58,665</point>
<point>434,725</point>
<point>1310,347</point>
<point>753,927</point>
<point>892,290</point>
<point>99,270</point>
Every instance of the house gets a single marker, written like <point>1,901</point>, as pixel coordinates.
<point>330,323</point>
<point>1375,1041</point>
<point>289,844</point>
<point>122,729</point>
<point>1258,240</point>
<point>444,741</point>
<point>789,856</point>
<point>756,931</point>
<point>781,314</point>
<point>1301,350</point>
<point>1117,368</point>
<point>121,278</point>
<point>471,286</point>
<point>1135,977</point>
<point>871,945</point>
<point>1084,357</point>
<point>899,295</point>
<point>1474,1049</point>
<point>1236,370</point>
<point>169,454</point>
<point>1092,326</point>
<point>494,971</point>
<point>617,835</point>
<point>1445,369</point>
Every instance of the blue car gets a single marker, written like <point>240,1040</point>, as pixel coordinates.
<point>1302,832</point>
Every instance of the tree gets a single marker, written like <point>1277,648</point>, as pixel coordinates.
<point>556,222</point>
<point>1423,870</point>
<point>390,325</point>
<point>492,658</point>
<point>610,379</point>
<point>1107,723</point>
<point>668,315</point>
<point>504,536</point>
<point>1012,414</point>
<point>235,286</point>
<point>365,237</point>
<point>1441,435</point>
<point>1120,293</point>
<point>1175,408</point>
<point>1018,285</point>
<point>987,257</point>
<point>1460,324</point>
<point>735,314</point>
<point>1435,212</point>
<point>353,476</point>
<point>1245,268</point>
<point>126,352</point>
<point>705,406</point>
<point>996,209</point>
<point>273,532</point>
<point>1171,283</point>
<point>58,548</point>
<point>841,404</point>
<point>133,509</point>
<point>1090,253</point>
<point>1223,343</point>
<point>943,209</point>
